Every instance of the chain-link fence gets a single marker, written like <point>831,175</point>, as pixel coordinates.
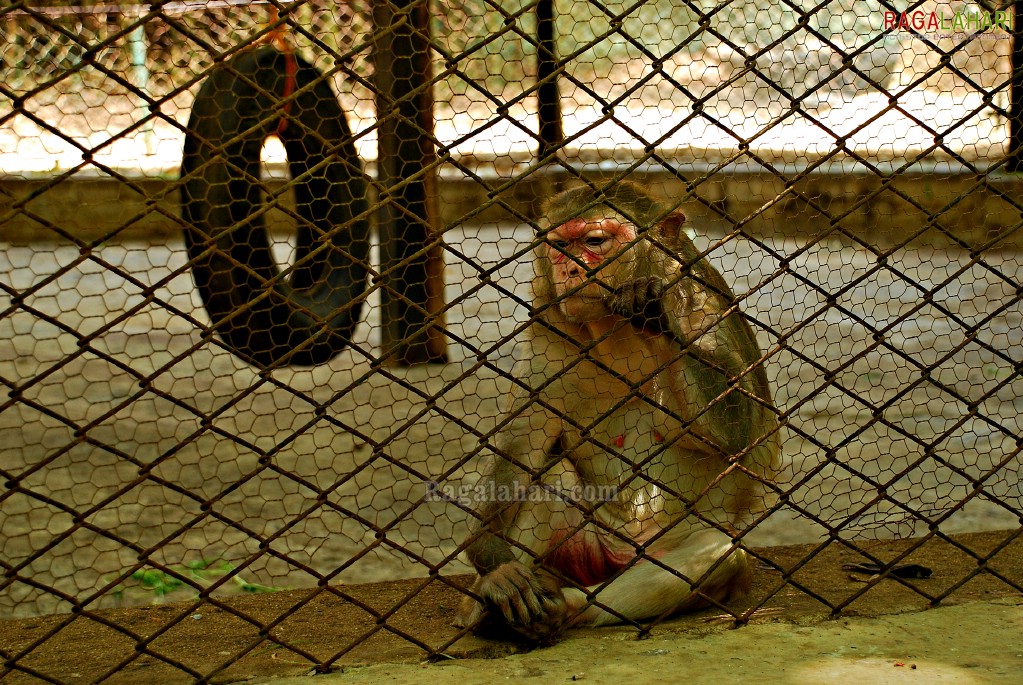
<point>232,229</point>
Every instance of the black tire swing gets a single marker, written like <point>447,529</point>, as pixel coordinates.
<point>266,317</point>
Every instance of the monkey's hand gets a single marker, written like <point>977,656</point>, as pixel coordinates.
<point>529,603</point>
<point>640,302</point>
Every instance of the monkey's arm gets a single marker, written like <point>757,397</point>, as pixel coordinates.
<point>525,447</point>
<point>715,353</point>
<point>531,603</point>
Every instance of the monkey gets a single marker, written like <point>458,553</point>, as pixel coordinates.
<point>640,434</point>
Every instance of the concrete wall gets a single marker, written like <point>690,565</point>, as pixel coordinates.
<point>947,207</point>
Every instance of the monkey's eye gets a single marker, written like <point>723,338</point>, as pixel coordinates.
<point>596,241</point>
<point>559,244</point>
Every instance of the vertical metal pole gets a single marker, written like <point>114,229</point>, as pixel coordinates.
<point>551,133</point>
<point>1015,162</point>
<point>412,257</point>
<point>140,75</point>
<point>137,39</point>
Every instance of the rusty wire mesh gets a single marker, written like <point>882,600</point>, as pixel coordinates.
<point>843,168</point>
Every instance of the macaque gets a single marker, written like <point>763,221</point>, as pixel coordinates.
<point>640,435</point>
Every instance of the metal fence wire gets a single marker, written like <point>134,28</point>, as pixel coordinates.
<point>266,289</point>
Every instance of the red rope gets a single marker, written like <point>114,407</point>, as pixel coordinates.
<point>290,70</point>
<point>277,37</point>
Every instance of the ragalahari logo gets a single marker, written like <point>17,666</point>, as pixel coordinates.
<point>960,25</point>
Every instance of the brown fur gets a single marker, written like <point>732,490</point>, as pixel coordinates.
<point>653,388</point>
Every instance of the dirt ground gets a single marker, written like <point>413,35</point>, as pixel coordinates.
<point>305,631</point>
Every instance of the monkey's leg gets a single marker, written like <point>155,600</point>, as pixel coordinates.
<point>647,590</point>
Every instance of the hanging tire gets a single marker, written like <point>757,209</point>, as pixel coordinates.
<point>265,316</point>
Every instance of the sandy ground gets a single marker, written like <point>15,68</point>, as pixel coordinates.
<point>969,644</point>
<point>115,381</point>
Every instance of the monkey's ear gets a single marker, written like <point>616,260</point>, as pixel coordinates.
<point>671,227</point>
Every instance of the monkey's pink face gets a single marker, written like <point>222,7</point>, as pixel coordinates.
<point>579,251</point>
